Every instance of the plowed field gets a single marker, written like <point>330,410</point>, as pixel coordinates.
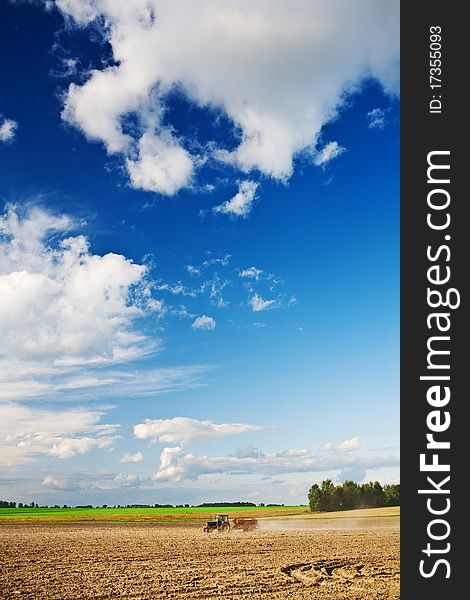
<point>146,561</point>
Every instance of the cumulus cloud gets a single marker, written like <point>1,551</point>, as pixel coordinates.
<point>258,304</point>
<point>205,323</point>
<point>26,433</point>
<point>131,458</point>
<point>163,166</point>
<point>8,129</point>
<point>68,447</point>
<point>176,465</point>
<point>68,318</point>
<point>182,430</point>
<point>377,118</point>
<point>329,152</point>
<point>59,301</point>
<point>344,446</point>
<point>240,205</point>
<point>278,74</point>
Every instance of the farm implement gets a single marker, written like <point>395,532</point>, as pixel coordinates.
<point>222,523</point>
<point>245,524</point>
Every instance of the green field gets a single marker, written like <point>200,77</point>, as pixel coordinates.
<point>190,514</point>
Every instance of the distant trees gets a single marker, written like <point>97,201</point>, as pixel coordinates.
<point>212,504</point>
<point>392,494</point>
<point>328,497</point>
<point>6,504</point>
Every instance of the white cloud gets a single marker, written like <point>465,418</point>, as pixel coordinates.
<point>57,483</point>
<point>177,289</point>
<point>357,474</point>
<point>68,447</point>
<point>329,152</point>
<point>240,205</point>
<point>344,446</point>
<point>251,273</point>
<point>224,261</point>
<point>8,129</point>
<point>68,319</point>
<point>377,118</point>
<point>216,283</point>
<point>206,264</point>
<point>205,323</point>
<point>176,465</point>
<point>131,458</point>
<point>258,303</point>
<point>26,433</point>
<point>248,452</point>
<point>192,270</point>
<point>86,482</point>
<point>171,468</point>
<point>182,430</point>
<point>157,306</point>
<point>125,480</point>
<point>163,166</point>
<point>26,380</point>
<point>279,74</point>
<point>58,301</point>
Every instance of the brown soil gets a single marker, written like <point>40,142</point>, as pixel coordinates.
<point>146,561</point>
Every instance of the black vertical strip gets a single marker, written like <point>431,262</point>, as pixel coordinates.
<point>423,132</point>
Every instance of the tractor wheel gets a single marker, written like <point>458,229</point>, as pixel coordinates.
<point>224,527</point>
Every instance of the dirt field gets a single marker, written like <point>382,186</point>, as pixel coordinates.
<point>350,560</point>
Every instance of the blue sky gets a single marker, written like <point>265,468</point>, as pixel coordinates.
<point>221,321</point>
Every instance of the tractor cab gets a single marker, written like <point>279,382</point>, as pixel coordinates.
<point>221,523</point>
<point>221,518</point>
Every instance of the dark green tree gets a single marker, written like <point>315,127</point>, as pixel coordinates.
<point>338,498</point>
<point>392,494</point>
<point>351,494</point>
<point>314,498</point>
<point>327,496</point>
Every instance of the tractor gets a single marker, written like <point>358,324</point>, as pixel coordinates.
<point>221,523</point>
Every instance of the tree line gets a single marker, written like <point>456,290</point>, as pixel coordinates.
<point>328,497</point>
<point>8,504</point>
